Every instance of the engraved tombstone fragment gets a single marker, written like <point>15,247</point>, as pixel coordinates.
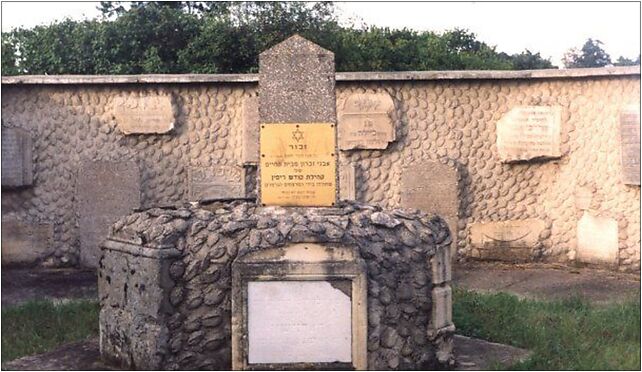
<point>507,240</point>
<point>432,187</point>
<point>250,150</point>
<point>216,182</point>
<point>365,121</point>
<point>17,166</point>
<point>144,113</point>
<point>105,191</point>
<point>529,132</point>
<point>347,179</point>
<point>630,145</point>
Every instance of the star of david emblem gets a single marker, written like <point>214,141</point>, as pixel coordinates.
<point>297,135</point>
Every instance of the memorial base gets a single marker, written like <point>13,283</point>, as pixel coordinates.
<point>199,288</point>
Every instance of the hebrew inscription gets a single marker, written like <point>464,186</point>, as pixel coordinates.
<point>17,167</point>
<point>630,145</point>
<point>144,114</point>
<point>297,322</point>
<point>298,164</point>
<point>529,132</point>
<point>365,122</point>
<point>217,182</point>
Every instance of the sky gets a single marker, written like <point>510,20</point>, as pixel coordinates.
<point>550,28</point>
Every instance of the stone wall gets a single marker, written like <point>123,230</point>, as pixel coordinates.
<point>447,118</point>
<point>166,281</point>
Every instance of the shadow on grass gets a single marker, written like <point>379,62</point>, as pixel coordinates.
<point>567,334</point>
<point>39,326</point>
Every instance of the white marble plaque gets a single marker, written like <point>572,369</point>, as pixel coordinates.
<point>298,322</point>
<point>630,145</point>
<point>529,132</point>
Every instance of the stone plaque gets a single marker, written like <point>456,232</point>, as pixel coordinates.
<point>597,239</point>
<point>630,145</point>
<point>25,242</point>
<point>298,322</point>
<point>529,132</point>
<point>301,306</point>
<point>144,114</point>
<point>365,121</point>
<point>105,191</point>
<point>506,240</point>
<point>250,150</point>
<point>432,187</point>
<point>17,167</point>
<point>347,178</point>
<point>216,182</point>
<point>298,164</point>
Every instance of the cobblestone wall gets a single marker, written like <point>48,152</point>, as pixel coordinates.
<point>450,121</point>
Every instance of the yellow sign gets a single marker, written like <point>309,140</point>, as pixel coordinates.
<point>298,164</point>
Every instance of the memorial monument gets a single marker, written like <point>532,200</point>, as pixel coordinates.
<point>297,279</point>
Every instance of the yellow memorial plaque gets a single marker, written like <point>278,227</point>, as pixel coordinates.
<point>298,164</point>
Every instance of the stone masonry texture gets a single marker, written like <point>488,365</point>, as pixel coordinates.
<point>449,121</point>
<point>174,311</point>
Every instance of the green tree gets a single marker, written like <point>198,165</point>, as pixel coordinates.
<point>622,61</point>
<point>590,55</point>
<point>227,37</point>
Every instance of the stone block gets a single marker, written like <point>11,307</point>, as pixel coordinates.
<point>630,145</point>
<point>296,82</point>
<point>365,121</point>
<point>17,163</point>
<point>432,187</point>
<point>441,266</point>
<point>105,191</point>
<point>250,122</point>
<point>347,179</point>
<point>507,240</point>
<point>441,307</point>
<point>25,242</point>
<point>216,182</point>
<point>597,239</point>
<point>144,113</point>
<point>529,132</point>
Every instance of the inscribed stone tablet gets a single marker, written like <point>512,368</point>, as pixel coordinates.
<point>347,187</point>
<point>630,145</point>
<point>365,122</point>
<point>105,191</point>
<point>298,166</point>
<point>17,167</point>
<point>216,182</point>
<point>597,239</point>
<point>506,240</point>
<point>144,114</point>
<point>25,242</point>
<point>529,132</point>
<point>298,322</point>
<point>250,150</point>
<point>432,187</point>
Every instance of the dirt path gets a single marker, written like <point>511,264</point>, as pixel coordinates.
<point>21,285</point>
<point>546,282</point>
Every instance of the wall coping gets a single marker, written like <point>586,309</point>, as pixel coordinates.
<point>340,76</point>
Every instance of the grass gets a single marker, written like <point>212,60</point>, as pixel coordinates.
<point>39,326</point>
<point>563,335</point>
